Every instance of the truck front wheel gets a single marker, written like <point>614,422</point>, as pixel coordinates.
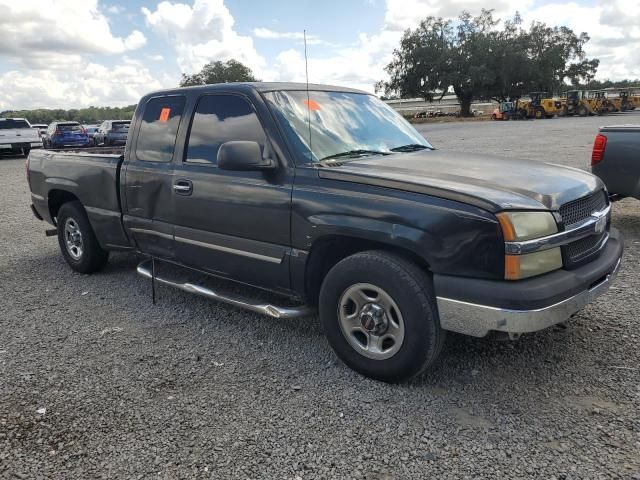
<point>379,313</point>
<point>77,240</point>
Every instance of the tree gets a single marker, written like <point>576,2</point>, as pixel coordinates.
<point>219,72</point>
<point>478,60</point>
<point>558,55</point>
<point>83,115</point>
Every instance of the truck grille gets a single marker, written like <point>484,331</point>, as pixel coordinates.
<point>583,248</point>
<point>582,208</point>
<point>575,212</point>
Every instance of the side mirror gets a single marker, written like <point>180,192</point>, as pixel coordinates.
<point>243,155</point>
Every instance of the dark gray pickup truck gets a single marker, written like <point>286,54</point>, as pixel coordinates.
<point>331,200</point>
<point>616,159</point>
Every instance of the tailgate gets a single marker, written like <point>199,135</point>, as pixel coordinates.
<point>619,168</point>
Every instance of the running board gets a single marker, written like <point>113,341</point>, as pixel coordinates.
<point>144,269</point>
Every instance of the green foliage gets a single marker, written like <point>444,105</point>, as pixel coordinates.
<point>599,85</point>
<point>83,115</point>
<point>478,60</point>
<point>219,72</point>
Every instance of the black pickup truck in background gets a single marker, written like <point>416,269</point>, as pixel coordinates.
<point>328,197</point>
<point>616,159</point>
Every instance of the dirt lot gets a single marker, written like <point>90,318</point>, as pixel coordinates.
<point>96,382</point>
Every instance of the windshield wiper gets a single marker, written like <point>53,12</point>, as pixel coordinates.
<point>412,147</point>
<point>354,153</point>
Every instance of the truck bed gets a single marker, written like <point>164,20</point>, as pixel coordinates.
<point>619,168</point>
<point>92,175</point>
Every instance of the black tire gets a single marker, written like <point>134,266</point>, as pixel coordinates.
<point>582,111</point>
<point>540,114</point>
<point>25,152</point>
<point>411,290</point>
<point>91,257</point>
<point>506,116</point>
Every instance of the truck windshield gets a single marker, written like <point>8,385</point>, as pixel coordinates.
<point>10,124</point>
<point>342,124</point>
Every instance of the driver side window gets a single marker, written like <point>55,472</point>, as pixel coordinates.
<point>221,118</point>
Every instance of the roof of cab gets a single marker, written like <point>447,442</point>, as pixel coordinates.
<point>258,86</point>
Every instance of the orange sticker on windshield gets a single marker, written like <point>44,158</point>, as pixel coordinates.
<point>312,104</point>
<point>164,114</point>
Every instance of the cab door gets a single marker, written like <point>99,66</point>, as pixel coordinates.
<point>148,186</point>
<point>232,224</point>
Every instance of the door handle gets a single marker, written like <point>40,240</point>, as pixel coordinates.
<point>183,187</point>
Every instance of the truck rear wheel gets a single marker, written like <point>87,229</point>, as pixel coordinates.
<point>78,243</point>
<point>379,313</point>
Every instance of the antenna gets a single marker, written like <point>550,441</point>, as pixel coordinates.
<point>306,73</point>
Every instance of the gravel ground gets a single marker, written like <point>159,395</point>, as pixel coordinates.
<point>96,382</point>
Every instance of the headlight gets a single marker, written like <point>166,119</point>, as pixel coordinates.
<point>522,226</point>
<point>517,267</point>
<point>519,226</point>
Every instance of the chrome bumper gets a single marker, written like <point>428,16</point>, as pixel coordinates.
<point>478,320</point>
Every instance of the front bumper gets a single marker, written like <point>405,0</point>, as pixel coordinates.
<point>526,305</point>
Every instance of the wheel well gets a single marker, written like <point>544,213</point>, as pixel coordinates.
<point>328,251</point>
<point>57,198</point>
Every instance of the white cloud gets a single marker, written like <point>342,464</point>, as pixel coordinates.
<point>31,29</point>
<point>614,29</point>
<point>268,34</point>
<point>155,58</point>
<point>203,32</point>
<point>53,50</point>
<point>86,84</point>
<point>135,40</point>
<point>115,9</point>
<point>403,14</point>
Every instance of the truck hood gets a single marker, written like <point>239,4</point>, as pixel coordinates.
<point>492,183</point>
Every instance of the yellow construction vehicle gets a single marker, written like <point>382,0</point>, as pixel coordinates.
<point>626,102</point>
<point>539,106</point>
<point>575,102</point>
<point>619,97</point>
<point>599,102</point>
<point>634,97</point>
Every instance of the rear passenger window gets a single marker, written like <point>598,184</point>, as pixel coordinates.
<point>219,119</point>
<point>157,137</point>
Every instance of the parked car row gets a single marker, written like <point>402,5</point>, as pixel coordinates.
<point>18,136</point>
<point>72,134</point>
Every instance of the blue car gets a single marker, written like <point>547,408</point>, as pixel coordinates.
<point>66,134</point>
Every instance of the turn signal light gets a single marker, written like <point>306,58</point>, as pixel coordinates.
<point>599,145</point>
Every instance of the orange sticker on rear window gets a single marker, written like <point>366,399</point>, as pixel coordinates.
<point>312,104</point>
<point>164,114</point>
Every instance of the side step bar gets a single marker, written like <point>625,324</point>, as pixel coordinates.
<point>144,269</point>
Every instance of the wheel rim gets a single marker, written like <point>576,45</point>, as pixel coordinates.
<point>73,238</point>
<point>371,321</point>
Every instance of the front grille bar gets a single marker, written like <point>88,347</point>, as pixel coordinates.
<point>595,224</point>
